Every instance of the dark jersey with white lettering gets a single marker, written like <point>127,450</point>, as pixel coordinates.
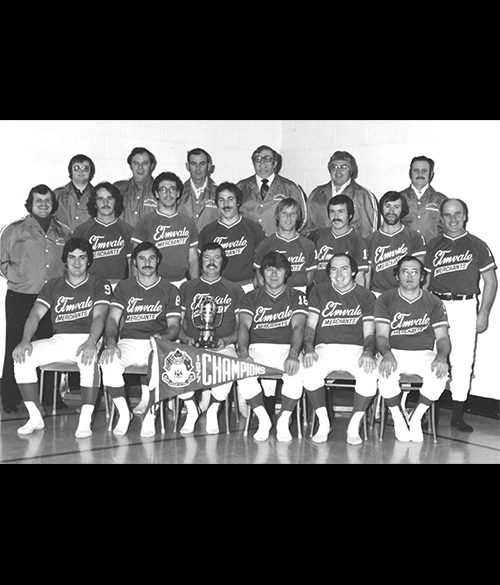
<point>455,264</point>
<point>341,314</point>
<point>145,308</point>
<point>239,241</point>
<point>300,251</point>
<point>384,252</point>
<point>111,246</point>
<point>71,307</point>
<point>411,323</point>
<point>272,315</point>
<point>328,244</point>
<point>227,295</point>
<point>173,236</point>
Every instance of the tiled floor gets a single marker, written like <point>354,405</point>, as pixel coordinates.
<point>57,444</point>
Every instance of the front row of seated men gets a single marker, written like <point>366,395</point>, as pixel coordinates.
<point>340,326</point>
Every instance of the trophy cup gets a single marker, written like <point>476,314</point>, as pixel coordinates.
<point>207,319</point>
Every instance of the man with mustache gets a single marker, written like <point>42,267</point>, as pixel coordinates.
<point>228,297</point>
<point>143,306</point>
<point>237,235</point>
<point>109,236</point>
<point>390,242</point>
<point>424,202</point>
<point>341,238</point>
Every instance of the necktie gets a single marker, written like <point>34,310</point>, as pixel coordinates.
<point>264,188</point>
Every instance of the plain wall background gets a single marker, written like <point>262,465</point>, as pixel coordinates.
<point>466,152</point>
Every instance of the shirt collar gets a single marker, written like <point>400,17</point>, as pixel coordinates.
<point>259,180</point>
<point>419,193</point>
<point>342,189</point>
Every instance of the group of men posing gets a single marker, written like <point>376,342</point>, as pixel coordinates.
<point>335,281</point>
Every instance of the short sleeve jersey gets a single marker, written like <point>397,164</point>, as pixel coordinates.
<point>341,314</point>
<point>385,251</point>
<point>411,323</point>
<point>239,241</point>
<point>173,236</point>
<point>455,264</point>
<point>111,246</point>
<point>272,315</point>
<point>300,251</point>
<point>227,295</point>
<point>327,244</point>
<point>71,306</point>
<point>145,309</point>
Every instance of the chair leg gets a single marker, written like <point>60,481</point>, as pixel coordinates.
<point>42,374</point>
<point>111,416</point>
<point>54,396</point>
<point>433,422</point>
<point>162,417</point>
<point>382,418</point>
<point>365,426</point>
<point>299,420</point>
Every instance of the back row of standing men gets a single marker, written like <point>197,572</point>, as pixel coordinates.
<point>262,213</point>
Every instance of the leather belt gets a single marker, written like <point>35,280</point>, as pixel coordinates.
<point>452,297</point>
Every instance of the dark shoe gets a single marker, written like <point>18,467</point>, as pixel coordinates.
<point>11,409</point>
<point>461,425</point>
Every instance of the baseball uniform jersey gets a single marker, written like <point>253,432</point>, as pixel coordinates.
<point>239,241</point>
<point>173,236</point>
<point>411,323</point>
<point>328,244</point>
<point>272,315</point>
<point>145,308</point>
<point>300,251</point>
<point>455,264</point>
<point>226,294</point>
<point>71,305</point>
<point>111,246</point>
<point>341,314</point>
<point>385,251</point>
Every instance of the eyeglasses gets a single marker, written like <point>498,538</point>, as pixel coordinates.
<point>84,168</point>
<point>342,168</point>
<point>258,159</point>
<point>410,272</point>
<point>171,190</point>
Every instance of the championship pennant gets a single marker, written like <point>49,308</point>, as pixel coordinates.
<point>177,368</point>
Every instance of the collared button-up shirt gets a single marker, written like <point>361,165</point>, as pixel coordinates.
<point>138,201</point>
<point>72,209</point>
<point>29,256</point>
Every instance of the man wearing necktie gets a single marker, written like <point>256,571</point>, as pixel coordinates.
<point>266,188</point>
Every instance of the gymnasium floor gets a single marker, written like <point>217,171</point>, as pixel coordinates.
<point>57,443</point>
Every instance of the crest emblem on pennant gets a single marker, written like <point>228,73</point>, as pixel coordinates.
<point>178,369</point>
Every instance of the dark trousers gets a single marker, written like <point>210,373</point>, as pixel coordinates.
<point>17,309</point>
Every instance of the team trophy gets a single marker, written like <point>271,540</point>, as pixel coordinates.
<point>207,319</point>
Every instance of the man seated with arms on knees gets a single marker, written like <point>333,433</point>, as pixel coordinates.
<point>340,335</point>
<point>150,307</point>
<point>271,331</point>
<point>79,303</point>
<point>409,324</point>
<point>228,296</point>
